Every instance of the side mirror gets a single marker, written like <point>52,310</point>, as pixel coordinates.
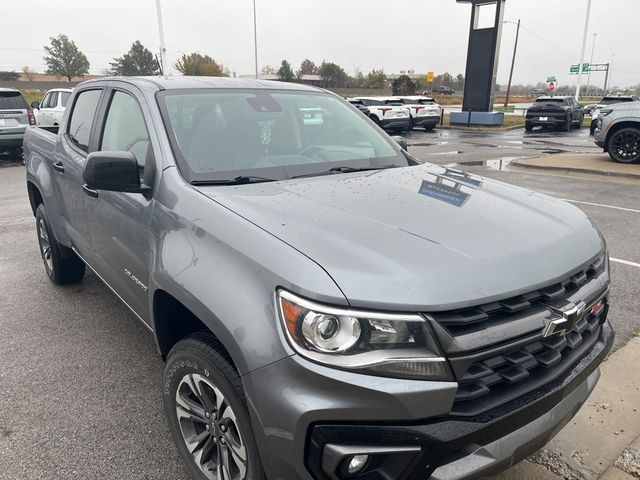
<point>113,171</point>
<point>400,141</point>
<point>35,104</point>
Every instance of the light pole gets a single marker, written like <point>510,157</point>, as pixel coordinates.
<point>593,48</point>
<point>163,48</point>
<point>584,46</point>
<point>255,36</point>
<point>513,62</point>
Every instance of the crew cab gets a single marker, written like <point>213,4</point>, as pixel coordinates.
<point>608,100</point>
<point>15,117</point>
<point>425,111</point>
<point>49,112</point>
<point>388,114</point>
<point>557,111</point>
<point>327,307</point>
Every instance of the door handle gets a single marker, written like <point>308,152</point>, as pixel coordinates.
<point>89,191</point>
<point>58,166</point>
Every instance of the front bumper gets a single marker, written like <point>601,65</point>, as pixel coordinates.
<point>305,416</point>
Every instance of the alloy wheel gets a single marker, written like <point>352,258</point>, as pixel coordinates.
<point>626,146</point>
<point>45,244</point>
<point>210,429</point>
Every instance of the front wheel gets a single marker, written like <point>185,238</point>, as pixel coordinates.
<point>624,145</point>
<point>206,408</point>
<point>61,264</point>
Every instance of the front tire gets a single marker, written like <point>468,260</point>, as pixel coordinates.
<point>61,265</point>
<point>624,145</point>
<point>206,409</point>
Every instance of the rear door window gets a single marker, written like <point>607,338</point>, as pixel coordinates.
<point>53,100</point>
<point>82,118</point>
<point>12,100</point>
<point>64,98</point>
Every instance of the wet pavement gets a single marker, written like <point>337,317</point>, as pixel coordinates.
<point>448,147</point>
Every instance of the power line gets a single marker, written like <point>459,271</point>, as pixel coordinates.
<point>553,45</point>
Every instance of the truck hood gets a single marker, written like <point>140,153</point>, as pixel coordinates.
<point>420,238</point>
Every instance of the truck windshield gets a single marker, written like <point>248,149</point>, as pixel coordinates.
<point>274,134</point>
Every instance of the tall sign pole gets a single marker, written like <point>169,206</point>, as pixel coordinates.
<point>513,62</point>
<point>584,46</point>
<point>255,36</point>
<point>163,48</point>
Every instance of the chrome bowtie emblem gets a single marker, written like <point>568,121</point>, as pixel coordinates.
<point>562,326</point>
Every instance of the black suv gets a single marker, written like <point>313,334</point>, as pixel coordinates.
<point>560,112</point>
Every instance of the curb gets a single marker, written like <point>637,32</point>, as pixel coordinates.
<point>480,129</point>
<point>603,173</point>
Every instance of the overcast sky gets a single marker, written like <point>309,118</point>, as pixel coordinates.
<point>395,35</point>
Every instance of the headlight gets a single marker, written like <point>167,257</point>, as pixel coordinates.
<point>604,112</point>
<point>386,344</point>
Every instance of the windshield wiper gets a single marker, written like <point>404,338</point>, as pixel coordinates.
<point>335,170</point>
<point>239,180</point>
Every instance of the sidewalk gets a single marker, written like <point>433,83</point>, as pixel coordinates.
<point>603,439</point>
<point>587,163</point>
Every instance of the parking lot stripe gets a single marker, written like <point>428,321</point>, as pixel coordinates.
<point>625,262</point>
<point>625,209</point>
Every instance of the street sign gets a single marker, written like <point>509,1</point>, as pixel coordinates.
<point>552,87</point>
<point>429,77</point>
<point>575,68</point>
<point>551,79</point>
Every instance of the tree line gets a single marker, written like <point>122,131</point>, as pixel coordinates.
<point>64,59</point>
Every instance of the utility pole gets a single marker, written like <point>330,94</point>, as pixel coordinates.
<point>584,46</point>
<point>255,35</point>
<point>513,62</point>
<point>593,48</point>
<point>163,48</point>
<point>606,79</point>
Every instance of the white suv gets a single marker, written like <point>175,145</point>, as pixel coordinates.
<point>50,111</point>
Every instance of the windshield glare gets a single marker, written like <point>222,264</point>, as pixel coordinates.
<point>276,134</point>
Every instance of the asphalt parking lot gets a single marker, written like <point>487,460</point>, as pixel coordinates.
<point>80,377</point>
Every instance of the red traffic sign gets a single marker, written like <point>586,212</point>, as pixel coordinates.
<point>552,87</point>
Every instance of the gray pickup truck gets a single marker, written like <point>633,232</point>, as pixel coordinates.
<point>327,307</point>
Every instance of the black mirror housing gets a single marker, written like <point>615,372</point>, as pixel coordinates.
<point>35,104</point>
<point>400,141</point>
<point>112,171</point>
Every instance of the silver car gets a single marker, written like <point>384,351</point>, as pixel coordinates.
<point>15,117</point>
<point>618,132</point>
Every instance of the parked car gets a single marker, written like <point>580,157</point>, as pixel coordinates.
<point>15,117</point>
<point>327,307</point>
<point>425,111</point>
<point>387,114</point>
<point>536,92</point>
<point>360,106</point>
<point>618,131</point>
<point>588,109</point>
<point>444,90</point>
<point>608,100</point>
<point>558,111</point>
<point>50,111</point>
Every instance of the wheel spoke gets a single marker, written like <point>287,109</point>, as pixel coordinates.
<point>196,442</point>
<point>224,456</point>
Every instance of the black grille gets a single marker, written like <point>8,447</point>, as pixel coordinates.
<point>470,320</point>
<point>504,377</point>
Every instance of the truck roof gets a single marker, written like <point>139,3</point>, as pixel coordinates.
<point>187,82</point>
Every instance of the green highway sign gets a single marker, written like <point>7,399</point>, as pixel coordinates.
<point>574,68</point>
<point>551,79</point>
